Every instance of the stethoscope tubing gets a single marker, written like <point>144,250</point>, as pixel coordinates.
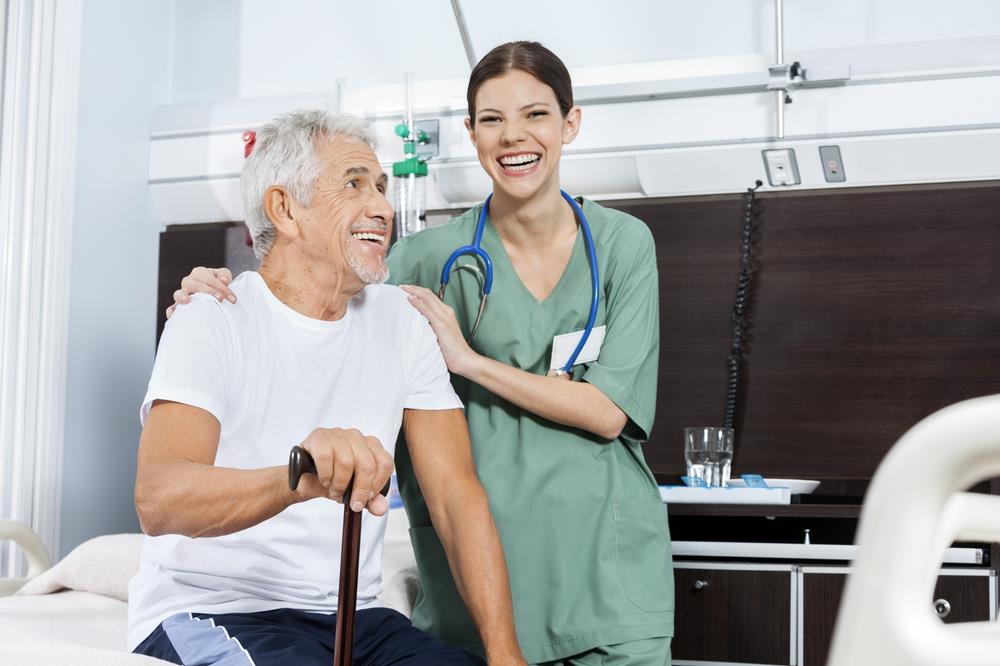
<point>595,280</point>
<point>476,249</point>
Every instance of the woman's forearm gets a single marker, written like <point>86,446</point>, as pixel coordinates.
<point>577,404</point>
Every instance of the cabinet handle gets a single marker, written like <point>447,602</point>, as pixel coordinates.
<point>702,584</point>
<point>942,608</point>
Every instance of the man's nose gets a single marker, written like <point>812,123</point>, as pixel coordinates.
<point>379,208</point>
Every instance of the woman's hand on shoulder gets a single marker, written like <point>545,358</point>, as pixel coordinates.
<point>456,351</point>
<point>212,281</point>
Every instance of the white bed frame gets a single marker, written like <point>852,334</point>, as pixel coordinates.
<point>34,550</point>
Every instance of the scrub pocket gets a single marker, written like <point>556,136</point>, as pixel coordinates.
<point>645,562</point>
<point>439,609</point>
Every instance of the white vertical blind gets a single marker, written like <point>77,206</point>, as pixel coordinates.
<point>37,147</point>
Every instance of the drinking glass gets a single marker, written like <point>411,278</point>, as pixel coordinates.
<point>709,454</point>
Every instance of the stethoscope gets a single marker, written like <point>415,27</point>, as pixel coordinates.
<point>487,281</point>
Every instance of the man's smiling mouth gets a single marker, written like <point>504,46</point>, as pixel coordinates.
<point>370,235</point>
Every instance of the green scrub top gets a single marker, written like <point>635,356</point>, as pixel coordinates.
<point>583,528</point>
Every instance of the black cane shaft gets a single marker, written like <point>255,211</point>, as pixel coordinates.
<point>347,596</point>
<point>299,463</point>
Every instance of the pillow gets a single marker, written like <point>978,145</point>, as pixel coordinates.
<point>103,565</point>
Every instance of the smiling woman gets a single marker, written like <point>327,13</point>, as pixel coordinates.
<point>561,460</point>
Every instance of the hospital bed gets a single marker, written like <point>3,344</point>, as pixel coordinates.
<point>75,612</point>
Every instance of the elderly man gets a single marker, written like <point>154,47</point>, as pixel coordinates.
<point>237,568</point>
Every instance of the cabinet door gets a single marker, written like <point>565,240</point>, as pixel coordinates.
<point>968,598</point>
<point>820,602</point>
<point>732,616</point>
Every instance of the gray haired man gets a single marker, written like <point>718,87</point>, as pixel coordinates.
<point>236,568</point>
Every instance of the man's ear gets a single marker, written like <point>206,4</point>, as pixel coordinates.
<point>279,207</point>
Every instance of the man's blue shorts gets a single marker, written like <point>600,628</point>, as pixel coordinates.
<point>292,637</point>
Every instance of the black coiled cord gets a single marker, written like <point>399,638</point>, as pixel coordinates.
<point>739,322</point>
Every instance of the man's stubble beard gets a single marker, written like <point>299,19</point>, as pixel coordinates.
<point>365,272</point>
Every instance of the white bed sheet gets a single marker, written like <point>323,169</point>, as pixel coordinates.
<point>70,628</point>
<point>75,613</point>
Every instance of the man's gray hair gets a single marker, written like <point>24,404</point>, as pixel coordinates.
<point>284,154</point>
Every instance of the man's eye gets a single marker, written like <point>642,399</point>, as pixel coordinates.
<point>381,189</point>
<point>352,183</point>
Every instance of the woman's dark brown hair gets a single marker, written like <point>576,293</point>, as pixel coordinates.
<point>530,57</point>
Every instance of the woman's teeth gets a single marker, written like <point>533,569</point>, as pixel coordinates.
<point>519,162</point>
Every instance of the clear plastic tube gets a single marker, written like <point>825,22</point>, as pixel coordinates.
<point>410,214</point>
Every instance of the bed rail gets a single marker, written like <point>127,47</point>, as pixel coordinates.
<point>34,550</point>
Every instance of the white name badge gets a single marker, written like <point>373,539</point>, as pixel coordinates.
<point>563,345</point>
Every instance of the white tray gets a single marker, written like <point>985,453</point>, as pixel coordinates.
<point>687,495</point>
<point>796,486</point>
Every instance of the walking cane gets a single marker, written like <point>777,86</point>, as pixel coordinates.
<point>299,463</point>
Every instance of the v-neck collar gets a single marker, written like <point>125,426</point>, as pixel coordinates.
<point>574,257</point>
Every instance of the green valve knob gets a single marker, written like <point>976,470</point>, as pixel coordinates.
<point>422,136</point>
<point>402,131</point>
<point>410,166</point>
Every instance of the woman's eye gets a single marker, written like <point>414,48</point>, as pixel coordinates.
<point>535,114</point>
<point>489,119</point>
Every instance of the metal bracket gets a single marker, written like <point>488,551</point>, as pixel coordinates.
<point>788,77</point>
<point>784,77</point>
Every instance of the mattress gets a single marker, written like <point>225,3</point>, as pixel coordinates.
<point>75,613</point>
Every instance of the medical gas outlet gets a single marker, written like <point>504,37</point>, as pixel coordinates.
<point>781,167</point>
<point>408,182</point>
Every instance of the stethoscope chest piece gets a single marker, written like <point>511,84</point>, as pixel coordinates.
<point>483,294</point>
<point>487,279</point>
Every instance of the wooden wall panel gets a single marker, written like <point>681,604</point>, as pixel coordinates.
<point>181,249</point>
<point>872,309</point>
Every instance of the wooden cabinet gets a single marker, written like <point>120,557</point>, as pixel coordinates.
<point>778,605</point>
<point>734,614</point>
<point>784,614</point>
<point>820,601</point>
<point>963,595</point>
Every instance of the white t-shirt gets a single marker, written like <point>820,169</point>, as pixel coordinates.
<point>270,376</point>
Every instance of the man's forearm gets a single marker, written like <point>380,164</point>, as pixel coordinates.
<point>438,443</point>
<point>198,500</point>
<point>476,559</point>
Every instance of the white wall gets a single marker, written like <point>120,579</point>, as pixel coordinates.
<point>205,40</point>
<point>917,67</point>
<point>125,65</point>
<point>259,48</point>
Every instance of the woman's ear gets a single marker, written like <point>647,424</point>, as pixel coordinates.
<point>571,125</point>
<point>470,129</point>
<point>279,207</point>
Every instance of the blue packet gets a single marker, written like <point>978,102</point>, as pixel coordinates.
<point>754,480</point>
<point>694,482</point>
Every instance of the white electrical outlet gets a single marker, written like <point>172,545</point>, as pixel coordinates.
<point>781,166</point>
